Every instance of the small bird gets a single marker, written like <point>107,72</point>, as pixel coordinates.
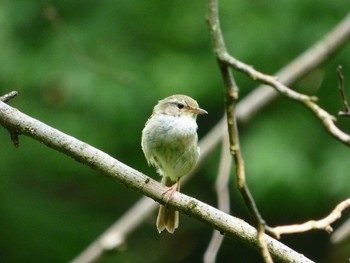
<point>170,144</point>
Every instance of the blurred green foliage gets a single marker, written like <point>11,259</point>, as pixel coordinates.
<point>95,69</point>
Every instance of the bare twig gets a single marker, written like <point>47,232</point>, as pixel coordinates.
<point>322,224</point>
<point>225,61</point>
<point>342,32</point>
<point>346,111</point>
<point>13,134</point>
<point>310,102</point>
<point>11,118</point>
<point>8,96</point>
<point>310,60</point>
<point>231,89</point>
<point>223,194</point>
<point>247,108</point>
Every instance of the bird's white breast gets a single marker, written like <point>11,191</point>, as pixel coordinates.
<point>170,144</point>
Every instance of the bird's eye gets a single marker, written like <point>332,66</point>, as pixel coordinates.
<point>180,105</point>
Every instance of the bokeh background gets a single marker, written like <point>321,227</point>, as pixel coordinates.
<point>95,69</point>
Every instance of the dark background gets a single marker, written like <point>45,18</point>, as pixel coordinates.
<point>95,69</point>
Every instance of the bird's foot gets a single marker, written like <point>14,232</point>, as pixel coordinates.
<point>170,191</point>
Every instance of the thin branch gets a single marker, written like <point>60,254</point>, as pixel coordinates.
<point>247,108</point>
<point>8,96</point>
<point>327,119</point>
<point>225,61</point>
<point>231,89</point>
<point>305,63</point>
<point>346,111</point>
<point>340,34</point>
<point>11,118</point>
<point>223,193</point>
<point>322,224</point>
<point>13,134</point>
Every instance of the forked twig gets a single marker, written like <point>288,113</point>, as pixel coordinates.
<point>231,91</point>
<point>226,61</point>
<point>322,224</point>
<point>247,108</point>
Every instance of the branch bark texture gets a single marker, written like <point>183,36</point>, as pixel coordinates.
<point>341,33</point>
<point>247,108</point>
<point>22,124</point>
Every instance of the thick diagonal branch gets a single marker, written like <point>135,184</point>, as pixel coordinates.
<point>254,102</point>
<point>11,118</point>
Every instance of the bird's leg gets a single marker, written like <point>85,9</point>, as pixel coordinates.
<point>171,190</point>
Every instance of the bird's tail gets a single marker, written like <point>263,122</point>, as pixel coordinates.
<point>168,218</point>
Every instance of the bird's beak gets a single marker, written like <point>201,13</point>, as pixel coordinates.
<point>198,111</point>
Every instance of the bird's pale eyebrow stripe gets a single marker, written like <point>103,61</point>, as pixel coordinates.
<point>177,102</point>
